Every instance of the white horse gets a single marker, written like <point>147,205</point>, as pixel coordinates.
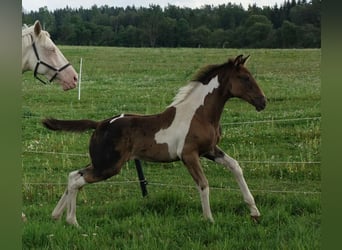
<point>41,55</point>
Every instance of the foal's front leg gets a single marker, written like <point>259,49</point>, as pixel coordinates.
<point>192,163</point>
<point>222,158</point>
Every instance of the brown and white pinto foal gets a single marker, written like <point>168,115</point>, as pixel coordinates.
<point>188,129</point>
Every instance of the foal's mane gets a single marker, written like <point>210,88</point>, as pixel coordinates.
<point>203,76</point>
<point>206,73</point>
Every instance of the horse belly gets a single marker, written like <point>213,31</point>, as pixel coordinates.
<point>149,150</point>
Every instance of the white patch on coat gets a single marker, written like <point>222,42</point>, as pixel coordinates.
<point>186,102</point>
<point>118,117</point>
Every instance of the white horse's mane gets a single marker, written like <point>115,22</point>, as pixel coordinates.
<point>25,30</point>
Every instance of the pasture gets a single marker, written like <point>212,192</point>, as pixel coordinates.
<point>278,149</point>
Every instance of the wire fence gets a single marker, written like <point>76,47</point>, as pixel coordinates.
<point>243,161</point>
<point>273,120</point>
<point>223,124</point>
<point>304,192</point>
<point>178,186</point>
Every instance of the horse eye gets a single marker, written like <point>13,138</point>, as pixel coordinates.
<point>244,78</point>
<point>52,49</point>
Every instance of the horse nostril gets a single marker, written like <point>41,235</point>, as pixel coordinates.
<point>75,78</point>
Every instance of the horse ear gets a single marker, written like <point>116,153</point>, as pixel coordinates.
<point>37,28</point>
<point>244,60</point>
<point>238,60</point>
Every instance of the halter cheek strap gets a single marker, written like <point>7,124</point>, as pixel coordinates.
<point>35,73</point>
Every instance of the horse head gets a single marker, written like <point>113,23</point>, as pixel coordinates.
<point>46,59</point>
<point>242,84</point>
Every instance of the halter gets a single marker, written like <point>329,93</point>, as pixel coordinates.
<point>35,73</point>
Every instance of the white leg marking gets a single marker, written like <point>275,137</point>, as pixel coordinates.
<point>76,181</point>
<point>205,203</point>
<point>234,166</point>
<point>58,211</point>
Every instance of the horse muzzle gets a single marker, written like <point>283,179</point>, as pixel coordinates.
<point>68,86</point>
<point>260,103</point>
<point>68,79</point>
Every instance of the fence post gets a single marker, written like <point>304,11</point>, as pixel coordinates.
<point>141,176</point>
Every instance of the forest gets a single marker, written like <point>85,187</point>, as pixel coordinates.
<point>294,24</point>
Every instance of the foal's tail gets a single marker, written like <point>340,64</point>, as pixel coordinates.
<point>70,125</point>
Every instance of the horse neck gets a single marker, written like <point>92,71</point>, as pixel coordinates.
<point>205,100</point>
<point>213,107</point>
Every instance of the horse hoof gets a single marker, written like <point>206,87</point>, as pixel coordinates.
<point>55,216</point>
<point>73,222</point>
<point>23,217</point>
<point>256,218</point>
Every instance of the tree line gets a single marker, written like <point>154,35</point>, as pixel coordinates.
<point>294,24</point>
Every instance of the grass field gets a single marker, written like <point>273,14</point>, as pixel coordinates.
<point>278,149</point>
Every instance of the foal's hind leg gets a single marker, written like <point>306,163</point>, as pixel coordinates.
<point>220,157</point>
<point>68,199</point>
<point>62,203</point>
<point>78,179</point>
<point>58,211</point>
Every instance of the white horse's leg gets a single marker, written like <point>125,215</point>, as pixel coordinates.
<point>233,165</point>
<point>58,211</point>
<point>76,181</point>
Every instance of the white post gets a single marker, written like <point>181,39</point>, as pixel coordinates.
<point>79,80</point>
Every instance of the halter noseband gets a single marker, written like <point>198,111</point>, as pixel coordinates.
<point>35,73</point>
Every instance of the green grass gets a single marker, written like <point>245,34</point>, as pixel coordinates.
<point>280,156</point>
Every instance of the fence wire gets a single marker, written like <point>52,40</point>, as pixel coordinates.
<point>178,186</point>
<point>192,187</point>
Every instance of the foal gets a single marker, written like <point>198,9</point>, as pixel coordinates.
<point>187,130</point>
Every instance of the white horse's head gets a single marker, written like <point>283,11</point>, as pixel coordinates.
<point>42,56</point>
